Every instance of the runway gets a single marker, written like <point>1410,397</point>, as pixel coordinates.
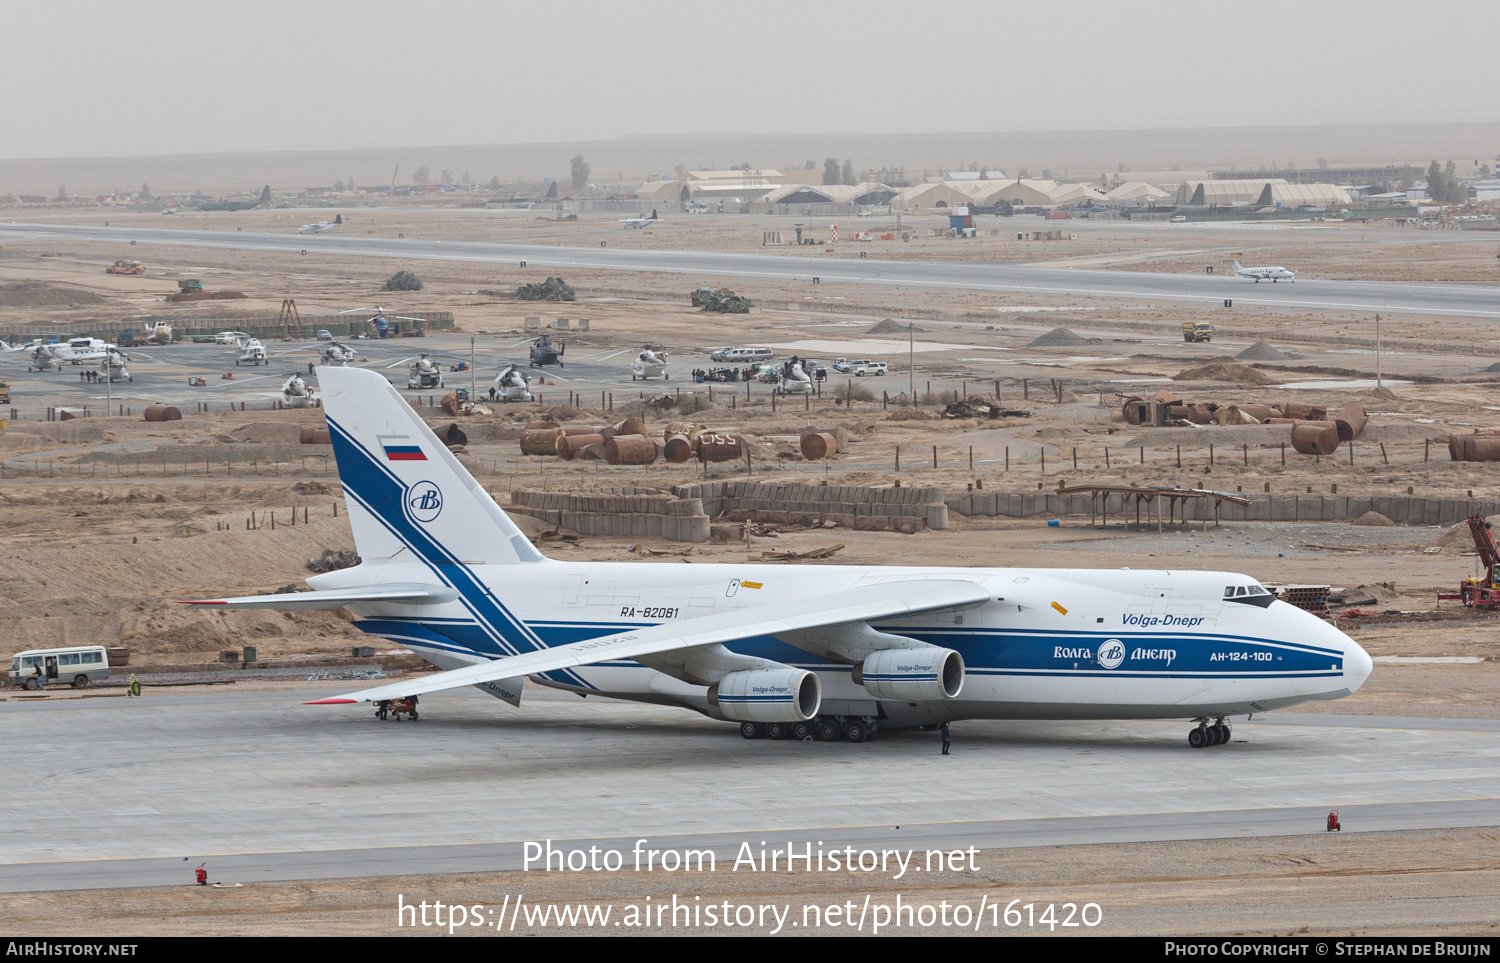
<point>1454,300</point>
<point>265,788</point>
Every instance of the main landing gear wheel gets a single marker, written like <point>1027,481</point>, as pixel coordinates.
<point>752,730</point>
<point>856,732</point>
<point>778,730</point>
<point>1199,737</point>
<point>829,730</point>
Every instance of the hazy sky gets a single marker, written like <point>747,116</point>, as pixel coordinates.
<point>159,77</point>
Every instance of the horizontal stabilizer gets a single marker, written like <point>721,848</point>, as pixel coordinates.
<point>861,604</point>
<point>412,593</point>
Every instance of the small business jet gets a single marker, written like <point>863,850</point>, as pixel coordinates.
<point>1259,273</point>
<point>785,651</point>
<point>640,222</point>
<point>322,228</point>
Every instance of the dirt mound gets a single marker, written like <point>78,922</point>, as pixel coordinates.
<point>264,433</point>
<point>35,294</point>
<point>1260,351</point>
<point>892,326</point>
<point>1494,367</point>
<point>1059,337</point>
<point>1201,436</point>
<point>910,414</point>
<point>1225,371</point>
<point>1455,540</point>
<point>1373,519</point>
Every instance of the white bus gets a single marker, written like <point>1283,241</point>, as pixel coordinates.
<point>76,665</point>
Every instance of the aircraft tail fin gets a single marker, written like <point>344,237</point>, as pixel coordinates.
<point>338,219</point>
<point>1237,265</point>
<point>405,491</point>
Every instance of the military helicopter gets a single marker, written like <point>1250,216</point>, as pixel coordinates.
<point>252,352</point>
<point>380,322</point>
<point>43,358</point>
<point>544,353</point>
<point>112,368</point>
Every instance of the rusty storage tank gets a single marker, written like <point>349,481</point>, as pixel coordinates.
<point>568,446</point>
<point>315,436</point>
<point>1296,409</point>
<point>1235,415</point>
<point>1315,438</point>
<point>1474,447</point>
<point>162,413</point>
<point>715,446</point>
<point>452,436</point>
<point>818,445</point>
<point>630,450</point>
<point>1350,422</point>
<point>541,441</point>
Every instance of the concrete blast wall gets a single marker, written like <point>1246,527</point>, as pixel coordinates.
<point>1402,509</point>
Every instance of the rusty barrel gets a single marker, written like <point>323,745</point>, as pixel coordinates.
<point>539,425</point>
<point>630,426</point>
<point>578,430</point>
<point>1200,415</point>
<point>817,445</point>
<point>714,446</point>
<point>568,446</point>
<point>677,449</point>
<point>315,436</point>
<point>1235,415</point>
<point>162,413</point>
<point>450,403</point>
<point>1315,438</point>
<point>1258,412</point>
<point>541,441</point>
<point>1296,409</point>
<point>1350,422</point>
<point>630,450</point>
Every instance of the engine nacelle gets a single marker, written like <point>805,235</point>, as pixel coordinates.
<point>768,695</point>
<point>914,675</point>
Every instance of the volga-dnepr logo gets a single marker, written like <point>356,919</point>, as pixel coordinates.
<point>424,502</point>
<point>1111,653</point>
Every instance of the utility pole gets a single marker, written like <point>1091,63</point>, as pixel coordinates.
<point>1378,382</point>
<point>911,369</point>
<point>472,395</point>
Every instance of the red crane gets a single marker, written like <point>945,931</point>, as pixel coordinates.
<point>1481,592</point>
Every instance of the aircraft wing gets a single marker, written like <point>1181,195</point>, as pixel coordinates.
<point>412,593</point>
<point>881,601</point>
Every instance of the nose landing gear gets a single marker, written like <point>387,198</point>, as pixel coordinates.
<point>1209,735</point>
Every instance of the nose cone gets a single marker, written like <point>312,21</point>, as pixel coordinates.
<point>1357,664</point>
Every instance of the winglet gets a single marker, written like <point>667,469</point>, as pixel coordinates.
<point>331,702</point>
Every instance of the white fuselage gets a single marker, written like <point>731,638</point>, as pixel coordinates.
<point>1117,644</point>
<point>80,350</point>
<point>1265,273</point>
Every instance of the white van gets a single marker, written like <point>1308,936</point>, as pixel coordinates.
<point>741,355</point>
<point>75,665</point>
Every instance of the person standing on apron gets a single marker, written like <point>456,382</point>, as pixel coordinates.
<point>947,741</point>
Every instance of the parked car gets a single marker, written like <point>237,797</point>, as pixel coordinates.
<point>324,334</point>
<point>876,368</point>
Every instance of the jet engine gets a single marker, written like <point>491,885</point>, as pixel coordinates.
<point>914,675</point>
<point>768,695</point>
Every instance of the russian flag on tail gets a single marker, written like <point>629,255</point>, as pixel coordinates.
<point>400,448</point>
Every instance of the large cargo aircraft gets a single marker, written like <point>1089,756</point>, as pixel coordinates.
<point>829,651</point>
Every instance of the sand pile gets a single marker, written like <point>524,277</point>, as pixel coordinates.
<point>1225,371</point>
<point>1059,337</point>
<point>264,433</point>
<point>1373,519</point>
<point>909,414</point>
<point>34,294</point>
<point>892,326</point>
<point>1494,367</point>
<point>1260,351</point>
<point>1455,540</point>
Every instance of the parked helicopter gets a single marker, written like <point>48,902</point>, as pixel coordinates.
<point>380,322</point>
<point>43,358</point>
<point>511,384</point>
<point>424,373</point>
<point>337,354</point>
<point>252,352</point>
<point>650,363</point>
<point>112,367</point>
<point>544,353</point>
<point>296,393</point>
